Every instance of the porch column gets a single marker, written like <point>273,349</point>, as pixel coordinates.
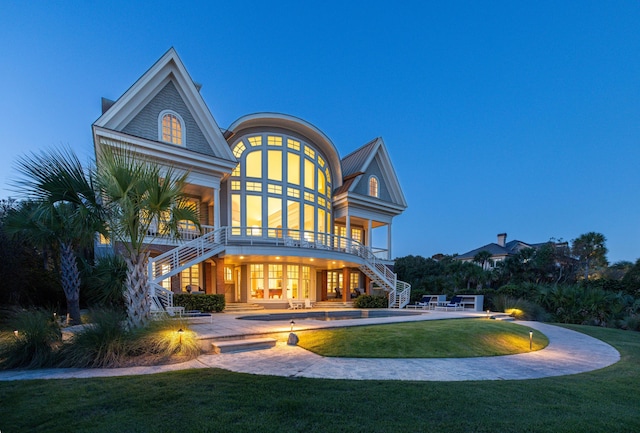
<point>220,287</point>
<point>348,228</point>
<point>346,285</point>
<point>216,208</point>
<point>370,235</point>
<point>389,241</point>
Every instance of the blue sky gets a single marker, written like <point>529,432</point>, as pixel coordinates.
<point>517,117</point>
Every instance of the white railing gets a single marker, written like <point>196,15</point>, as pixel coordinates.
<point>214,241</point>
<point>186,255</point>
<point>164,296</point>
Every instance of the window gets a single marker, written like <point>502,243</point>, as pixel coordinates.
<point>373,187</point>
<point>191,277</point>
<point>275,281</point>
<point>228,274</point>
<point>171,127</point>
<point>256,278</point>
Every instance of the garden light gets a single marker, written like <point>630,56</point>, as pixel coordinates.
<point>180,331</point>
<point>292,323</point>
<point>15,333</point>
<point>530,339</point>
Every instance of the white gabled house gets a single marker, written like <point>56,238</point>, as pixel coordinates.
<point>283,216</point>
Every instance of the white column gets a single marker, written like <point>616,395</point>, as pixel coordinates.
<point>370,235</point>
<point>216,208</point>
<point>348,234</point>
<point>389,241</point>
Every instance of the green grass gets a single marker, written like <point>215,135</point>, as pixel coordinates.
<point>426,339</point>
<point>214,400</point>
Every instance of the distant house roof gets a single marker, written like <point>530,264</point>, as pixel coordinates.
<point>509,249</point>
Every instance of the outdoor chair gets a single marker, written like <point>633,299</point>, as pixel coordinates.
<point>455,303</point>
<point>307,303</point>
<point>425,302</point>
<point>292,305</point>
<point>338,292</point>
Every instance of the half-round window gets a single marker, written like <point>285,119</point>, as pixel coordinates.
<point>374,190</point>
<point>171,128</point>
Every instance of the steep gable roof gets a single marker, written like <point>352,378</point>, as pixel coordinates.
<point>169,68</point>
<point>357,163</point>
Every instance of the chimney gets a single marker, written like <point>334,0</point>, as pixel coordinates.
<point>502,239</point>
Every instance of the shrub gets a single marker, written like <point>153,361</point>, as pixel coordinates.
<point>164,338</point>
<point>631,323</point>
<point>371,301</point>
<point>519,308</point>
<point>105,282</point>
<point>207,303</point>
<point>102,343</point>
<point>38,335</point>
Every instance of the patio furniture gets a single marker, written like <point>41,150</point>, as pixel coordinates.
<point>307,303</point>
<point>425,302</point>
<point>455,303</point>
<point>338,292</point>
<point>293,305</point>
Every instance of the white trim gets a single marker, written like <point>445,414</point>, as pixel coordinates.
<point>183,128</point>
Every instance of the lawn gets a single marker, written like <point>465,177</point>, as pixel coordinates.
<point>426,339</point>
<point>219,401</point>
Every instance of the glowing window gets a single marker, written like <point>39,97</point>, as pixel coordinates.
<point>293,168</point>
<point>191,277</point>
<point>235,213</point>
<point>328,175</point>
<point>321,221</point>
<point>309,152</point>
<point>356,234</point>
<point>274,141</point>
<point>373,186</point>
<point>309,174</point>
<point>293,144</point>
<point>274,165</point>
<point>309,221</point>
<point>293,276</point>
<point>255,141</point>
<point>254,186</point>
<point>354,280</point>
<point>274,216</point>
<point>275,281</point>
<point>254,164</point>
<point>256,276</point>
<point>321,201</point>
<point>254,215</point>
<point>293,218</point>
<point>321,182</point>
<point>274,189</point>
<point>239,149</point>
<point>171,128</point>
<point>236,171</point>
<point>292,192</point>
<point>308,196</point>
<point>320,161</point>
<point>235,185</point>
<point>306,281</point>
<point>228,274</point>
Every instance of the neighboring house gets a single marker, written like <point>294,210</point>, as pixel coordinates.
<point>501,250</point>
<point>284,217</point>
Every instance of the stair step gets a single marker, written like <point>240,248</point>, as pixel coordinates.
<point>503,318</point>
<point>238,307</point>
<point>332,304</point>
<point>231,346</point>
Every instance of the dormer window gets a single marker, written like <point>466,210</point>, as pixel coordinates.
<point>374,191</point>
<point>171,128</point>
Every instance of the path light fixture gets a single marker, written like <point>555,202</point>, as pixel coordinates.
<point>488,314</point>
<point>16,333</point>
<point>292,323</point>
<point>530,339</point>
<point>180,331</point>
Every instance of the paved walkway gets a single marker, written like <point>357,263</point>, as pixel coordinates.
<point>568,352</point>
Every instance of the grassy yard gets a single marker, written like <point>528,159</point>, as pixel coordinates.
<point>427,339</point>
<point>218,401</point>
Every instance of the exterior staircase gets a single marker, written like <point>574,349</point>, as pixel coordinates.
<point>242,307</point>
<point>327,305</point>
<point>214,241</point>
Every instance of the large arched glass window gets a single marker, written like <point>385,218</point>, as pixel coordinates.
<point>171,128</point>
<point>281,188</point>
<point>374,190</point>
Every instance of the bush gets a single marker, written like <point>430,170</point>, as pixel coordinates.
<point>102,343</point>
<point>371,301</point>
<point>206,303</point>
<point>519,308</point>
<point>106,343</point>
<point>105,282</point>
<point>38,335</point>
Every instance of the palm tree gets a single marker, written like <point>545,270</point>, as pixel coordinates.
<point>138,194</point>
<point>483,258</point>
<point>62,212</point>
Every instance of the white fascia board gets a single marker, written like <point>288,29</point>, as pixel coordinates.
<point>170,154</point>
<point>365,202</point>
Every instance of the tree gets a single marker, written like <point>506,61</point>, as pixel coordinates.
<point>136,194</point>
<point>64,212</point>
<point>483,258</point>
<point>591,252</point>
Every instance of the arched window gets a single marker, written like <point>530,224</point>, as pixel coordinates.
<point>374,191</point>
<point>171,128</point>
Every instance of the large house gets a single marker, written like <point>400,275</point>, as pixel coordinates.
<point>283,216</point>
<point>501,250</point>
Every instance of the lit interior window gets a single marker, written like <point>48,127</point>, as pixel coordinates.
<point>320,161</point>
<point>293,276</point>
<point>239,149</point>
<point>274,165</point>
<point>309,152</point>
<point>274,189</point>
<point>235,185</point>
<point>321,182</point>
<point>236,171</point>
<point>254,186</point>
<point>293,218</point>
<point>274,141</point>
<point>293,168</point>
<point>306,281</point>
<point>308,196</point>
<point>321,201</point>
<point>309,174</point>
<point>254,164</point>
<point>275,281</point>
<point>256,276</point>
<point>293,144</point>
<point>274,216</point>
<point>254,215</point>
<point>171,129</point>
<point>373,186</point>
<point>255,141</point>
<point>292,192</point>
<point>309,221</point>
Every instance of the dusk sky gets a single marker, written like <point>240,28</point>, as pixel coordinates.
<point>516,117</point>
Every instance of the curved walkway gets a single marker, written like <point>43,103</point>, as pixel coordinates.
<point>568,352</point>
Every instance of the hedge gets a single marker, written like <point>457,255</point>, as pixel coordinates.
<point>205,303</point>
<point>371,301</point>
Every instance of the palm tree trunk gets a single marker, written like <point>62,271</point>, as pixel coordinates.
<point>137,296</point>
<point>70,280</point>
